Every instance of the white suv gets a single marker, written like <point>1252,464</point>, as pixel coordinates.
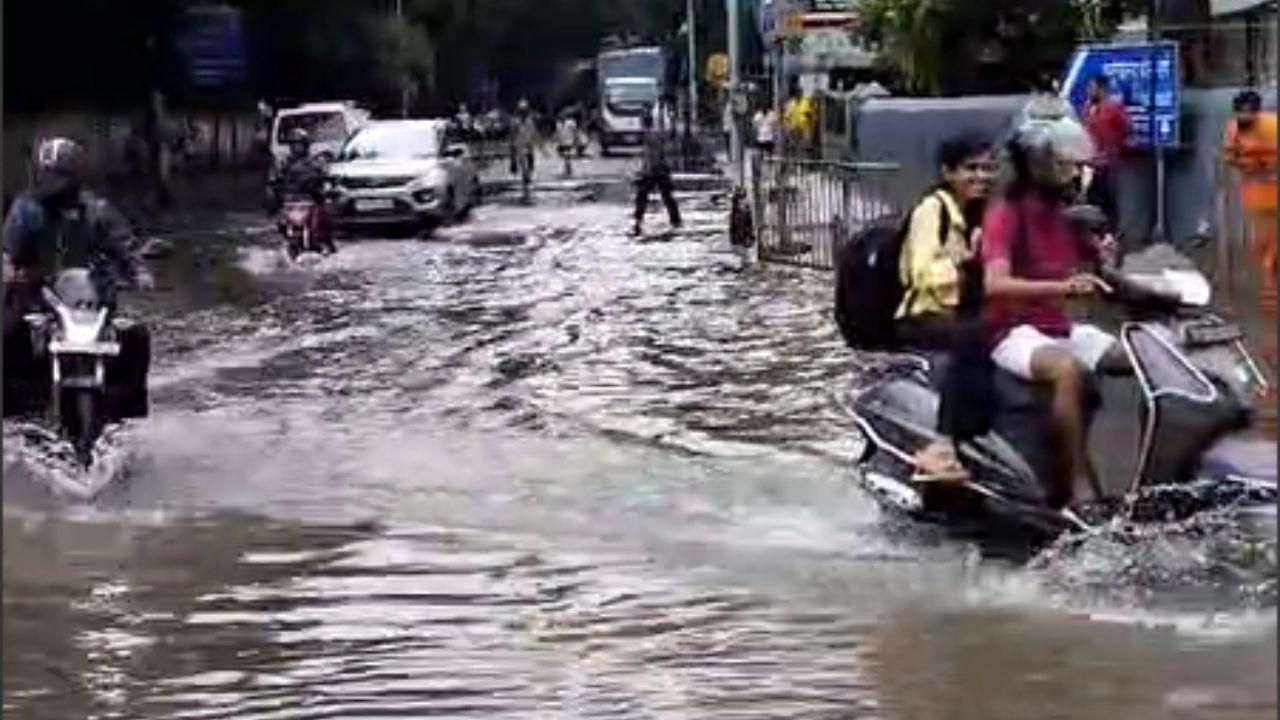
<point>403,172</point>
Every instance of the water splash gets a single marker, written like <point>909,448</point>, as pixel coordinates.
<point>39,457</point>
<point>1210,571</point>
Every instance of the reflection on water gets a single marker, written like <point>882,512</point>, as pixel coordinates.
<point>563,475</point>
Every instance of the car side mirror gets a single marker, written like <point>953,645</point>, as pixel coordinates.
<point>455,151</point>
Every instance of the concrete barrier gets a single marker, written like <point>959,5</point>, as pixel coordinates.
<point>907,131</point>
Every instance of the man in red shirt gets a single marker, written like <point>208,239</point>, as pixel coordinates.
<point>1032,260</point>
<point>1108,125</point>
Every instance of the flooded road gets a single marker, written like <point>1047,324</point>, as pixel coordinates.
<point>535,468</point>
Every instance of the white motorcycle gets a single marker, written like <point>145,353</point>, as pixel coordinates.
<point>92,384</point>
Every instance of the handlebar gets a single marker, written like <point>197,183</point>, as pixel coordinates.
<point>1124,290</point>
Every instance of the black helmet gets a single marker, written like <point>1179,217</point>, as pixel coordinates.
<point>61,156</point>
<point>61,166</point>
<point>299,138</point>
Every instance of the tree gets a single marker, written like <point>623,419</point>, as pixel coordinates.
<point>962,46</point>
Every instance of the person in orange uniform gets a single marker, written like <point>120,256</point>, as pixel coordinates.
<point>1249,146</point>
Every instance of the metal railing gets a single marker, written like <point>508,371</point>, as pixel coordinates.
<point>803,210</point>
<point>694,153</point>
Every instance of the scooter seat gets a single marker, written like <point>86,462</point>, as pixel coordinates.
<point>1247,457</point>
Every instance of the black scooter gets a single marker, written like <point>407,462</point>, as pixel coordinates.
<point>1198,383</point>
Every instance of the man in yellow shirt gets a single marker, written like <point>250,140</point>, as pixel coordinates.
<point>799,117</point>
<point>1249,145</point>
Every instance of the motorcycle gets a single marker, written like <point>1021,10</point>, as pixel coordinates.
<point>98,363</point>
<point>300,224</point>
<point>1197,382</point>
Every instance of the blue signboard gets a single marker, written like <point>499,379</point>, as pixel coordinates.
<point>1144,77</point>
<point>214,47</point>
<point>773,12</point>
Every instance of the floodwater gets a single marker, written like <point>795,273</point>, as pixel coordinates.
<point>536,468</point>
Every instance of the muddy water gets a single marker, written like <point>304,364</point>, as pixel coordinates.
<point>539,469</point>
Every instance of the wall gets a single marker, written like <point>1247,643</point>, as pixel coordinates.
<point>908,130</point>
<point>218,140</point>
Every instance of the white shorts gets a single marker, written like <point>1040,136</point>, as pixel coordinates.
<point>1086,344</point>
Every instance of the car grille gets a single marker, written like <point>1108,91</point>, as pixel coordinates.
<point>373,183</point>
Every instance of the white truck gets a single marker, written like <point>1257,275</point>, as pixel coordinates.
<point>631,83</point>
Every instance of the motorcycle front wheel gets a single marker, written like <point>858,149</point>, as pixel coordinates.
<point>82,417</point>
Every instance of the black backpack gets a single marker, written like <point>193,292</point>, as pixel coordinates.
<point>869,287</point>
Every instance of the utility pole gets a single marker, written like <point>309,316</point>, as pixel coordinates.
<point>735,90</point>
<point>1158,230</point>
<point>690,25</point>
<point>404,79</point>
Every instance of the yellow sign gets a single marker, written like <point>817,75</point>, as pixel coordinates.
<point>718,70</point>
<point>792,25</point>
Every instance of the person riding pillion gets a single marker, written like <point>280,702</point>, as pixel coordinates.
<point>940,244</point>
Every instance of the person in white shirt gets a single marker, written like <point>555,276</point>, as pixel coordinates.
<point>766,129</point>
<point>567,140</point>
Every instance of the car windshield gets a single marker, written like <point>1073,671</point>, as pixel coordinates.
<point>320,126</point>
<point>393,142</point>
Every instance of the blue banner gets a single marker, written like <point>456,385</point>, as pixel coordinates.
<point>214,47</point>
<point>1143,76</point>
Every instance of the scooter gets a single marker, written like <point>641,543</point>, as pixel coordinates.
<point>1198,383</point>
<point>98,362</point>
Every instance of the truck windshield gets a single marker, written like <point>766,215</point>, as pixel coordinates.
<point>624,95</point>
<point>638,63</point>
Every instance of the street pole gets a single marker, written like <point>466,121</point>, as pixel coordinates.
<point>404,80</point>
<point>690,21</point>
<point>1157,147</point>
<point>735,79</point>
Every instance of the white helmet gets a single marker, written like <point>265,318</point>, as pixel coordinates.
<point>1061,139</point>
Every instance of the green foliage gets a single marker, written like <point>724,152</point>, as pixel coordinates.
<point>961,46</point>
<point>81,53</point>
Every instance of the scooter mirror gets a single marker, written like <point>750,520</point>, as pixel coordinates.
<point>1186,287</point>
<point>1191,287</point>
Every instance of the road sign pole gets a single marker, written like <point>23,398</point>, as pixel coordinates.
<point>690,23</point>
<point>1153,125</point>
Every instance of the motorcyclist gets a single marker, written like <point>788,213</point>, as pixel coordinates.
<point>303,177</point>
<point>1034,260</point>
<point>59,224</point>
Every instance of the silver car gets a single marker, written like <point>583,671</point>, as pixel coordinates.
<point>401,172</point>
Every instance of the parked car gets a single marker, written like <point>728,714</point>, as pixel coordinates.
<point>329,124</point>
<point>403,172</point>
